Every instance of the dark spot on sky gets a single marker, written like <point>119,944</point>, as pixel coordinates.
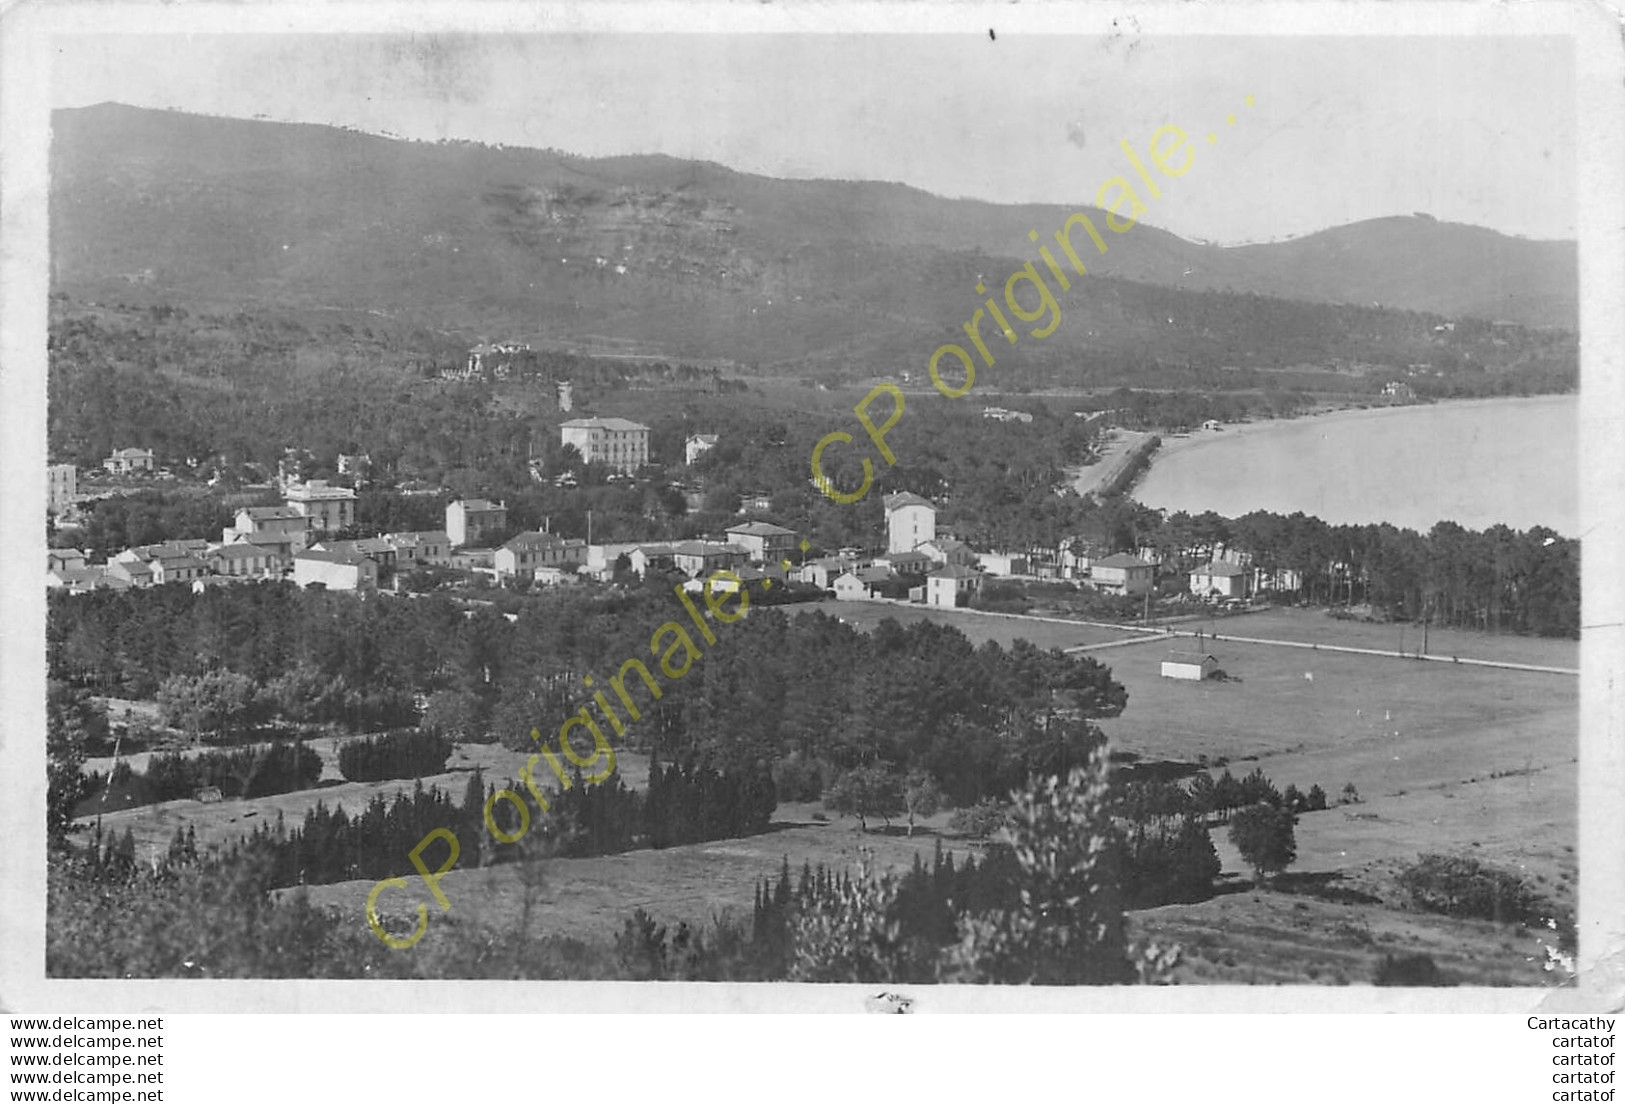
<point>991,35</point>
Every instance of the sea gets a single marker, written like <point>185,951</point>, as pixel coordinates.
<point>1477,463</point>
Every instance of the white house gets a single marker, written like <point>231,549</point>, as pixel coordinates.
<point>701,557</point>
<point>329,508</point>
<point>126,460</point>
<point>1121,574</point>
<point>697,446</point>
<point>64,559</point>
<point>947,550</point>
<point>850,588</point>
<point>821,572</point>
<point>176,569</point>
<point>918,562</point>
<point>245,558</point>
<point>1220,580</point>
<point>145,553</point>
<point>522,555</point>
<point>910,521</point>
<point>469,519</point>
<point>76,580</point>
<point>376,549</point>
<point>286,523</point>
<point>422,546</point>
<point>133,573</point>
<point>951,586</point>
<point>345,570</point>
<point>656,557</point>
<point>621,444</point>
<point>601,558</point>
<point>764,541</point>
<point>1194,666</point>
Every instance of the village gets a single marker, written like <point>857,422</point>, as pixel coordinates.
<point>296,541</point>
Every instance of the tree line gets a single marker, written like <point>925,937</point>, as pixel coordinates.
<point>684,803</point>
<point>408,753</point>
<point>275,768</point>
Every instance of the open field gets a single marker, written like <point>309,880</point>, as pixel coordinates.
<point>1463,760</point>
<point>977,627</point>
<point>1352,704</point>
<point>1314,626</point>
<point>591,898</point>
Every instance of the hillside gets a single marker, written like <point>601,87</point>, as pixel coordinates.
<point>695,260</point>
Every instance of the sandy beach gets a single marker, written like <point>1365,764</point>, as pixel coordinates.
<point>1230,431</point>
<point>1477,462</point>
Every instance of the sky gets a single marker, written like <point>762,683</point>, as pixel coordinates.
<point>1468,129</point>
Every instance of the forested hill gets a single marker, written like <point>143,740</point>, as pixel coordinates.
<point>680,257</point>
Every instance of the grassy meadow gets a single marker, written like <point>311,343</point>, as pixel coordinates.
<point>1465,760</point>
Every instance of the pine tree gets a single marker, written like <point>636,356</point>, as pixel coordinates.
<point>125,853</point>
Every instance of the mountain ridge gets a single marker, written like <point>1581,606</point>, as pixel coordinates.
<point>694,256</point>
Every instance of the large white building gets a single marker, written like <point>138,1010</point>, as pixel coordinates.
<point>910,521</point>
<point>621,444</point>
<point>328,508</point>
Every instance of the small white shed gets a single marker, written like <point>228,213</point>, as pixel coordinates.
<point>1195,666</point>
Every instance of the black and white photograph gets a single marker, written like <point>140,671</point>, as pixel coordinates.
<point>938,502</point>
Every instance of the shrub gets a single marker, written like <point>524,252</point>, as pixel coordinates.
<point>1466,887</point>
<point>980,820</point>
